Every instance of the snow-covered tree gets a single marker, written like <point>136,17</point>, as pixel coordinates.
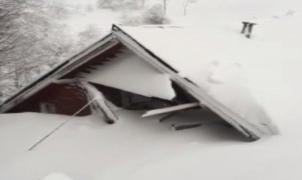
<point>186,4</point>
<point>119,4</point>
<point>155,15</point>
<point>31,41</point>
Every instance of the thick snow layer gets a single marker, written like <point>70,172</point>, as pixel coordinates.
<point>129,72</point>
<point>270,69</point>
<point>201,11</point>
<point>223,63</point>
<point>135,148</point>
<point>57,176</point>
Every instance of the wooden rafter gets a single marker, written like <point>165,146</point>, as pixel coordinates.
<point>100,103</point>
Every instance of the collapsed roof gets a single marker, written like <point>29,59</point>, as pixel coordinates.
<point>198,62</point>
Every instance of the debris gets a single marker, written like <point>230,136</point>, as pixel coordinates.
<point>100,105</point>
<point>146,67</point>
<point>167,116</point>
<point>171,109</point>
<point>178,127</point>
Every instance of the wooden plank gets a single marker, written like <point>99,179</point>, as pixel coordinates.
<point>168,116</point>
<point>178,127</point>
<point>100,103</point>
<point>171,109</point>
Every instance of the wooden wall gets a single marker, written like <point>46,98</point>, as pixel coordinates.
<point>66,99</point>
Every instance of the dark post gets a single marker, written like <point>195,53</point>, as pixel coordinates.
<point>247,28</point>
<point>250,29</point>
<point>244,27</point>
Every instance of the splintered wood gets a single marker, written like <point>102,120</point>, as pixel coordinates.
<point>100,103</point>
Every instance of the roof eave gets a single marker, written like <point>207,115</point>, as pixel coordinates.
<point>56,73</point>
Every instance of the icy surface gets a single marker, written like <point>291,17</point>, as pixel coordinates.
<point>130,73</point>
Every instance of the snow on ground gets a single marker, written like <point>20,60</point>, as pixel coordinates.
<point>134,148</point>
<point>56,176</point>
<point>87,148</point>
<point>202,11</point>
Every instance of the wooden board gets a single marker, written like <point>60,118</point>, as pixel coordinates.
<point>100,104</point>
<point>171,109</point>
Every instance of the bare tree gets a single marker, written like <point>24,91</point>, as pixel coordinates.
<point>10,11</point>
<point>30,41</point>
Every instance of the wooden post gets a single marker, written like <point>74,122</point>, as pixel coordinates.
<point>247,28</point>
<point>250,29</point>
<point>100,105</point>
<point>178,127</point>
<point>245,24</point>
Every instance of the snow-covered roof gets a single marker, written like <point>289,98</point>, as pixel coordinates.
<point>215,61</point>
<point>217,66</point>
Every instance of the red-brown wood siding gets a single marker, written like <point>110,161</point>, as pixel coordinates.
<point>67,99</point>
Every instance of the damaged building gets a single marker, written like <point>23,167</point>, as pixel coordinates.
<point>128,72</point>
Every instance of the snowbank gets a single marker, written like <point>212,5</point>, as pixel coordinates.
<point>56,176</point>
<point>87,148</point>
<point>129,72</point>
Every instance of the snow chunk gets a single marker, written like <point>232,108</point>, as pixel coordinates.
<point>130,73</point>
<point>227,83</point>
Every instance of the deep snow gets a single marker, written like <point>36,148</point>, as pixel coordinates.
<point>134,148</point>
<point>129,72</point>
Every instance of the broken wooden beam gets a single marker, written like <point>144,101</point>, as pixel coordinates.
<point>168,116</point>
<point>171,109</point>
<point>178,127</point>
<point>100,103</point>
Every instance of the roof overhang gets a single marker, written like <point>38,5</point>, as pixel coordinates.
<point>248,129</point>
<point>119,36</point>
<point>59,71</point>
